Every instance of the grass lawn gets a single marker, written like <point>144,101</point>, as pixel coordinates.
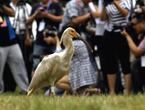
<point>14,101</point>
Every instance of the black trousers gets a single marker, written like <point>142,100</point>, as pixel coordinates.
<point>103,84</point>
<point>138,76</point>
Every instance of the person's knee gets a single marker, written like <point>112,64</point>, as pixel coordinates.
<point>57,84</point>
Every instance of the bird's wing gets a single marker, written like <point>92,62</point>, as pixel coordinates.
<point>43,72</point>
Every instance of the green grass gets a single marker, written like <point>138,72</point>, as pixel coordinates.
<point>14,101</point>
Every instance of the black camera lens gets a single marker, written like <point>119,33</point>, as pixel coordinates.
<point>42,9</point>
<point>140,2</point>
<point>50,33</point>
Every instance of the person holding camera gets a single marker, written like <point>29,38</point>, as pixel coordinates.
<point>10,51</point>
<point>139,6</point>
<point>45,13</point>
<point>138,65</point>
<point>115,46</point>
<point>50,35</point>
<point>77,11</point>
<point>22,12</point>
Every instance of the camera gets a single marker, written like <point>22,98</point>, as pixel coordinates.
<point>42,9</point>
<point>21,2</point>
<point>140,2</point>
<point>50,33</point>
<point>107,1</point>
<point>128,26</point>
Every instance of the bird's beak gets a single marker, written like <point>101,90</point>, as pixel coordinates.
<point>79,37</point>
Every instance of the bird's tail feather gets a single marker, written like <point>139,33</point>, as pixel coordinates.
<point>30,92</point>
<point>33,88</point>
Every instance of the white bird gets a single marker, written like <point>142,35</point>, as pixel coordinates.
<point>54,66</point>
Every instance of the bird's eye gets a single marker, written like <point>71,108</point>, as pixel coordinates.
<point>72,31</point>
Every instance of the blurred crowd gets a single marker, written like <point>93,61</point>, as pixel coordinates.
<point>113,28</point>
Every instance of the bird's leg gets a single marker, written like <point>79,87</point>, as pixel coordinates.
<point>52,91</point>
<point>49,91</point>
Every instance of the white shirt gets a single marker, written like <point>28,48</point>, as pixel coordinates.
<point>21,14</point>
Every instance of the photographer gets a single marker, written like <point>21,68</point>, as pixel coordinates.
<point>50,35</point>
<point>22,11</point>
<point>139,6</point>
<point>137,68</point>
<point>81,74</point>
<point>115,46</point>
<point>44,13</point>
<point>10,51</point>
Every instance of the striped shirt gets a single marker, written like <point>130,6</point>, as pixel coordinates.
<point>114,16</point>
<point>142,42</point>
<point>74,8</point>
<point>81,72</point>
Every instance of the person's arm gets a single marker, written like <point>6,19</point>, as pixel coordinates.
<point>143,8</point>
<point>122,10</point>
<point>57,19</point>
<point>96,13</point>
<point>136,51</point>
<point>7,10</point>
<point>28,40</point>
<point>57,40</point>
<point>103,15</point>
<point>32,17</point>
<point>80,19</point>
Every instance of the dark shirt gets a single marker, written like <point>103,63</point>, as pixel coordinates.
<point>4,34</point>
<point>54,9</point>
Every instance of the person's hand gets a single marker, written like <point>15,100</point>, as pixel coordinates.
<point>105,4</point>
<point>116,1</point>
<point>95,14</point>
<point>56,37</point>
<point>124,33</point>
<point>38,10</point>
<point>28,42</point>
<point>43,13</point>
<point>57,41</point>
<point>55,0</point>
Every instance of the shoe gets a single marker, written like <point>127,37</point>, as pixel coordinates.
<point>91,91</point>
<point>22,92</point>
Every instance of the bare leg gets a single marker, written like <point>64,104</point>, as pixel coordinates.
<point>49,91</point>
<point>127,79</point>
<point>64,84</point>
<point>52,91</point>
<point>111,83</point>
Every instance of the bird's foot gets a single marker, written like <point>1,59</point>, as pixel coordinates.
<point>53,94</point>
